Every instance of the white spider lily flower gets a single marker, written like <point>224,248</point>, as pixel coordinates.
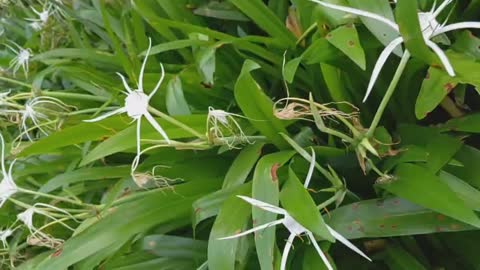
<point>294,227</point>
<point>42,112</point>
<point>7,185</point>
<point>38,23</point>
<point>37,236</point>
<point>21,60</point>
<point>220,121</point>
<point>429,26</point>
<point>3,237</point>
<point>137,102</point>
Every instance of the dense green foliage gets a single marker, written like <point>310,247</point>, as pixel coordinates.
<point>257,95</point>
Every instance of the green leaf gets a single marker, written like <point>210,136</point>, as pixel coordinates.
<point>85,174</point>
<point>468,123</point>
<point>413,180</point>
<point>320,51</point>
<point>345,38</point>
<point>467,43</point>
<point>175,247</point>
<point>222,253</point>
<point>176,103</point>
<point>242,165</point>
<point>469,194</point>
<point>399,259</point>
<point>381,31</point>
<point>257,106</point>
<point>266,19</point>
<point>300,205</point>
<point>291,69</point>
<point>141,216</point>
<point>388,218</point>
<point>126,139</point>
<point>265,188</point>
<point>436,86</point>
<point>440,150</point>
<point>468,156</point>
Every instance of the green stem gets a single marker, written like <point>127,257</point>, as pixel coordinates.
<point>5,79</point>
<point>389,93</point>
<point>175,122</point>
<point>68,95</point>
<point>54,197</point>
<point>91,110</point>
<point>329,201</point>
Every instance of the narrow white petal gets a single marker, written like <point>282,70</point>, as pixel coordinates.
<point>162,76</point>
<point>263,205</point>
<point>441,8</point>
<point>457,26</point>
<point>310,169</point>
<point>442,56</point>
<point>106,115</point>
<point>155,125</point>
<point>2,142</point>
<point>320,252</point>
<point>142,70</point>
<point>125,84</point>
<point>258,228</point>
<point>347,243</point>
<point>286,250</point>
<point>359,12</point>
<point>380,62</point>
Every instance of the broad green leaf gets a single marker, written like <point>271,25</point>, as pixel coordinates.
<point>468,123</point>
<point>300,205</point>
<point>126,139</point>
<point>210,205</point>
<point>220,10</point>
<point>467,43</point>
<point>242,165</point>
<point>463,65</point>
<point>291,69</point>
<point>469,172</point>
<point>83,175</point>
<point>412,180</point>
<point>398,258</point>
<point>175,247</point>
<point>265,19</point>
<point>176,103</point>
<point>320,51</point>
<point>95,56</point>
<point>232,219</point>
<point>469,194</point>
<point>440,150</point>
<point>312,261</point>
<point>257,106</point>
<point>335,85</point>
<point>345,38</point>
<point>141,216</point>
<point>436,86</point>
<point>69,135</point>
<point>266,188</point>
<point>388,218</point>
<point>381,31</point>
<point>204,59</point>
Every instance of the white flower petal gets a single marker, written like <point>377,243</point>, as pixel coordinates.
<point>125,84</point>
<point>263,205</point>
<point>286,250</point>
<point>441,7</point>
<point>310,169</point>
<point>258,228</point>
<point>157,127</point>
<point>347,243</point>
<point>359,12</point>
<point>443,57</point>
<point>106,115</point>
<point>320,252</point>
<point>162,76</point>
<point>457,26</point>
<point>380,62</point>
<point>142,70</point>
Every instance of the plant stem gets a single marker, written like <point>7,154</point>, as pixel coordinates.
<point>329,201</point>
<point>53,197</point>
<point>175,122</point>
<point>389,93</point>
<point>74,96</point>
<point>5,79</point>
